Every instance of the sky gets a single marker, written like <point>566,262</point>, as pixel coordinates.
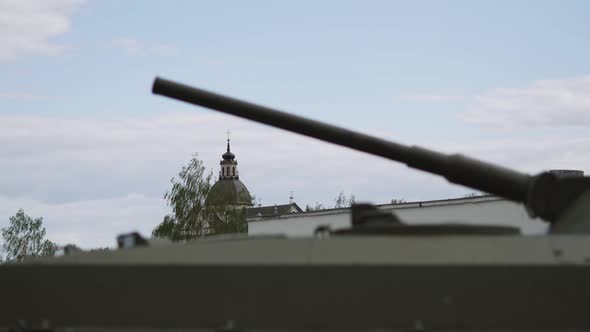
<point>85,145</point>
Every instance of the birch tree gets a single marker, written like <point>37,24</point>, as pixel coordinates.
<point>25,237</point>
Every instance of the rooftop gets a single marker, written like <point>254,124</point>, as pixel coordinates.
<point>388,206</point>
<point>272,210</point>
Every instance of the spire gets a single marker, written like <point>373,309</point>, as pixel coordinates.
<point>228,155</point>
<point>229,166</point>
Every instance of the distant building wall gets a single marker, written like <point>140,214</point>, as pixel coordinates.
<point>471,210</point>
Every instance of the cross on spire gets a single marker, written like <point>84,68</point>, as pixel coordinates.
<point>228,132</point>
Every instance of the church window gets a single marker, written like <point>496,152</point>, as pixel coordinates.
<point>223,171</point>
<point>233,171</point>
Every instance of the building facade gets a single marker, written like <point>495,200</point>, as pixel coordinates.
<point>477,210</point>
<point>480,210</point>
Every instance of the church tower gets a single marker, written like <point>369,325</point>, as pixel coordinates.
<point>229,190</point>
<point>229,165</point>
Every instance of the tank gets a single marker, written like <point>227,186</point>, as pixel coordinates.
<point>380,273</point>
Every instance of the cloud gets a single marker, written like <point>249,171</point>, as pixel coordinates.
<point>133,46</point>
<point>28,26</point>
<point>94,178</point>
<point>432,98</point>
<point>546,103</point>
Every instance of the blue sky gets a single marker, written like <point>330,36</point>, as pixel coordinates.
<point>505,81</point>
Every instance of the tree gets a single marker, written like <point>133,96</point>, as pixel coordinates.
<point>342,201</point>
<point>317,207</point>
<point>71,248</point>
<point>226,209</point>
<point>167,229</point>
<point>397,200</point>
<point>24,237</point>
<point>223,220</point>
<point>187,200</point>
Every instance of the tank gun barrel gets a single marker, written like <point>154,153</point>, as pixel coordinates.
<point>455,168</point>
<point>544,195</point>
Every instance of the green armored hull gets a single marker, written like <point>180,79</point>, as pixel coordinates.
<point>341,282</point>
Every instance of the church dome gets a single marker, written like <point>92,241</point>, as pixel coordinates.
<point>229,192</point>
<point>228,156</point>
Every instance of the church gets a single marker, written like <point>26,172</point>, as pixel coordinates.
<point>229,190</point>
<point>230,199</point>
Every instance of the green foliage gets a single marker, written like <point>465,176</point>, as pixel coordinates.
<point>167,229</point>
<point>193,216</point>
<point>342,201</point>
<point>316,207</point>
<point>224,220</point>
<point>24,237</point>
<point>99,249</point>
<point>72,249</point>
<point>187,200</point>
